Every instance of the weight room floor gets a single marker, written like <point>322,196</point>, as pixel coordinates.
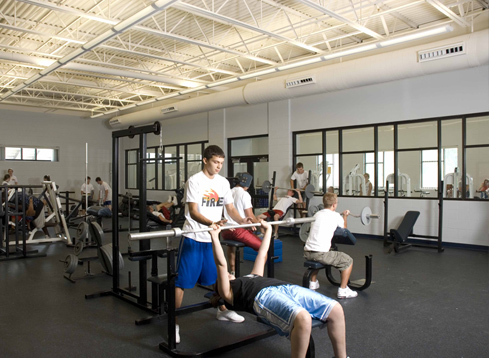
<point>421,304</point>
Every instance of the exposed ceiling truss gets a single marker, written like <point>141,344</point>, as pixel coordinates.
<point>105,56</point>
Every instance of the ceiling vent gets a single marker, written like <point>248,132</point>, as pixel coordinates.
<point>114,121</point>
<point>169,109</point>
<point>441,52</point>
<point>296,82</point>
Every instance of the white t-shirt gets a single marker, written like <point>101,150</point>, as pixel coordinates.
<point>13,180</point>
<point>301,179</point>
<point>211,195</point>
<point>87,189</point>
<point>322,230</point>
<point>242,201</point>
<point>284,203</point>
<point>103,188</point>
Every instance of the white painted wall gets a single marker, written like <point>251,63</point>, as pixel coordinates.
<point>443,94</point>
<point>69,135</point>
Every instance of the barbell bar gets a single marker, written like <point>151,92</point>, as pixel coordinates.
<point>366,216</point>
<point>309,190</point>
<point>177,232</point>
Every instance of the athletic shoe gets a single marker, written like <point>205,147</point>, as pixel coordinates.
<point>174,200</point>
<point>170,199</point>
<point>228,315</point>
<point>177,333</point>
<point>346,293</point>
<point>314,285</point>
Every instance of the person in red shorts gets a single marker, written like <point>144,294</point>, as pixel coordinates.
<point>242,202</point>
<point>281,207</point>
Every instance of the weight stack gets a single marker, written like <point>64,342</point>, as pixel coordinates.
<point>250,255</point>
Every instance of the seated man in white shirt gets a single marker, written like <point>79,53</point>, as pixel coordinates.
<point>281,207</point>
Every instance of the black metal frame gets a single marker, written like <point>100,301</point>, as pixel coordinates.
<point>126,295</point>
<point>398,247</point>
<point>463,117</point>
<point>21,251</point>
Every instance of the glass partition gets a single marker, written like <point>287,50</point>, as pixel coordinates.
<point>385,165</point>
<point>314,163</point>
<point>358,139</point>
<point>477,130</point>
<point>332,164</point>
<point>309,143</point>
<point>249,146</point>
<point>477,178</point>
<point>353,176</point>
<point>417,135</point>
<point>451,143</point>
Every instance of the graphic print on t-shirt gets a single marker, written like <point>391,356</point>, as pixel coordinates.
<point>211,198</point>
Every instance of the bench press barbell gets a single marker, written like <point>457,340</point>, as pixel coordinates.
<point>309,190</point>
<point>177,232</point>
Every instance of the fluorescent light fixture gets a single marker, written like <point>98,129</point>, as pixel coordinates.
<point>129,106</point>
<point>148,101</point>
<point>112,111</point>
<point>351,51</point>
<point>300,63</point>
<point>71,56</point>
<point>225,82</point>
<point>97,115</point>
<point>257,74</point>
<point>190,90</point>
<point>32,79</point>
<point>417,35</point>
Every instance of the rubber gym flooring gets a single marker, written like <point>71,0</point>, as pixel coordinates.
<point>421,304</point>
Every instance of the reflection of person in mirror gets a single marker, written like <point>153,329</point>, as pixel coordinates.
<point>368,185</point>
<point>484,189</point>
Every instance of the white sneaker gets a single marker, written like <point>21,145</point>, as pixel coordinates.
<point>228,315</point>
<point>170,199</point>
<point>177,333</point>
<point>314,285</point>
<point>346,293</point>
<point>174,200</point>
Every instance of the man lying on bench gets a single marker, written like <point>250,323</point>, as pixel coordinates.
<point>318,244</point>
<point>288,308</point>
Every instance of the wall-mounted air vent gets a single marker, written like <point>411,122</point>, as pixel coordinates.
<point>300,81</point>
<point>169,109</point>
<point>114,122</point>
<point>441,52</point>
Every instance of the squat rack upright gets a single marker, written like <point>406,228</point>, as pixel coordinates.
<point>140,300</point>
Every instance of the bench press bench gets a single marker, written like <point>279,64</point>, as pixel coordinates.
<point>345,237</point>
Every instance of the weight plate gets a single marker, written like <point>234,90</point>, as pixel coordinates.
<point>81,231</point>
<point>365,216</point>
<point>304,231</point>
<point>71,262</point>
<point>79,247</point>
<point>97,233</point>
<point>313,209</point>
<point>309,191</point>
<point>105,257</point>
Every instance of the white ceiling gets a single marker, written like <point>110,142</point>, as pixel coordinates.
<point>101,57</point>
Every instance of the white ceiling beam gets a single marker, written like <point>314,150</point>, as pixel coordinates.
<point>115,30</point>
<point>152,31</point>
<point>446,11</point>
<point>343,19</point>
<point>233,22</point>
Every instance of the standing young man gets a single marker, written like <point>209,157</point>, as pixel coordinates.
<point>105,194</point>
<point>206,194</point>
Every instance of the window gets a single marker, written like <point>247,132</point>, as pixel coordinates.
<point>39,154</point>
<point>429,168</point>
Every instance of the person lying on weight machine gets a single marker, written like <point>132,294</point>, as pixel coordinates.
<point>318,244</point>
<point>281,207</point>
<point>288,308</point>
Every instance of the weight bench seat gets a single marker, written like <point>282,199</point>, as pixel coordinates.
<point>400,235</point>
<point>237,259</point>
<point>361,285</point>
<point>159,280</point>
